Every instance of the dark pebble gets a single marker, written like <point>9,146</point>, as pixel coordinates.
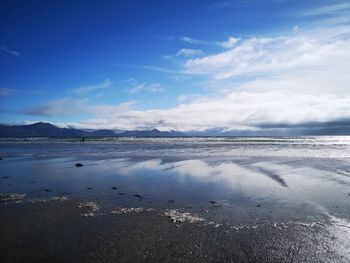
<point>47,190</point>
<point>258,205</point>
<point>212,202</point>
<point>79,165</point>
<point>89,188</point>
<point>114,188</point>
<point>138,196</point>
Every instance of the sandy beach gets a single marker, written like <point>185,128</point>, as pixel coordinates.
<point>211,202</point>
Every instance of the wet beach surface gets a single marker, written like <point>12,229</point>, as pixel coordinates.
<point>176,200</point>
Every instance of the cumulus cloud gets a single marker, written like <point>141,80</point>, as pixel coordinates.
<point>237,111</point>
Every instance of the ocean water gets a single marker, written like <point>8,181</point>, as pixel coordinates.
<point>181,147</point>
<point>237,182</point>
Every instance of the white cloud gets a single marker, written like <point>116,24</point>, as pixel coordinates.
<point>238,111</point>
<point>312,54</point>
<point>230,43</point>
<point>195,41</point>
<point>147,67</point>
<point>74,107</point>
<point>330,9</point>
<point>86,89</point>
<point>9,51</point>
<point>167,57</point>
<point>155,87</point>
<point>187,52</point>
<point>137,87</point>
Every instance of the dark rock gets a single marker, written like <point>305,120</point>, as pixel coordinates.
<point>138,196</point>
<point>171,201</point>
<point>5,177</point>
<point>212,202</point>
<point>121,193</point>
<point>258,205</point>
<point>89,188</point>
<point>114,188</point>
<point>47,190</point>
<point>79,165</point>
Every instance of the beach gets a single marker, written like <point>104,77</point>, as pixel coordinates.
<point>204,199</point>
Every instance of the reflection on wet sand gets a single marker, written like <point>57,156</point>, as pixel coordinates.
<point>265,199</point>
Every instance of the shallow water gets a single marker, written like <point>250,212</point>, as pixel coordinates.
<point>231,183</point>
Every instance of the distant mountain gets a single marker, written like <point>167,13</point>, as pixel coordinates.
<point>41,129</point>
<point>151,133</point>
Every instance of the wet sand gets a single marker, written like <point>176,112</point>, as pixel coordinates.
<point>161,209</point>
<point>55,231</point>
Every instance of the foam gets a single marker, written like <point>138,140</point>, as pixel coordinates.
<point>182,217</point>
<point>124,210</point>
<point>91,207</point>
<point>11,197</point>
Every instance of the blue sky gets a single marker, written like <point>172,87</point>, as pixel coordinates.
<point>185,65</point>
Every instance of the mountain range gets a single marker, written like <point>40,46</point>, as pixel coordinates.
<point>42,129</point>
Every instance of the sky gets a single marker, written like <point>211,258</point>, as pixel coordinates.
<point>233,67</point>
